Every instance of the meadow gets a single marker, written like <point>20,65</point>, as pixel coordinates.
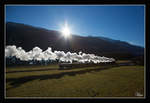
<point>96,81</point>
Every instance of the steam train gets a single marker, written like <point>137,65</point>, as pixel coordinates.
<point>63,66</point>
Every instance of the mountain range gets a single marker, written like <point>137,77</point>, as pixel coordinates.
<point>27,37</point>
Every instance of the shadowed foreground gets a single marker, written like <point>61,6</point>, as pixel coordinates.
<point>98,81</point>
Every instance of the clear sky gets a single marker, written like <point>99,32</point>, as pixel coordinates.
<point>124,22</point>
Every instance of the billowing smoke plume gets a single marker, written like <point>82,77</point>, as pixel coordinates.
<point>38,54</point>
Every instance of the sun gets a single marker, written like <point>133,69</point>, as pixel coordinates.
<point>66,31</point>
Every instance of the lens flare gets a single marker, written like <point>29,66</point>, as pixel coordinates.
<point>66,31</point>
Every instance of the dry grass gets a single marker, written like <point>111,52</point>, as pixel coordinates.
<point>104,81</point>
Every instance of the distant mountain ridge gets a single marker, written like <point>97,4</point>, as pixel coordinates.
<point>27,37</point>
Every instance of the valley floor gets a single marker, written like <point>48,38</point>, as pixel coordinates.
<point>98,81</point>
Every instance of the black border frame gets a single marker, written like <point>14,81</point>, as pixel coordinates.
<point>75,2</point>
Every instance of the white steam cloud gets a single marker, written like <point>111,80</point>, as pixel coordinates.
<point>38,54</point>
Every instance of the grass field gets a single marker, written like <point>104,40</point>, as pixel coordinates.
<point>98,81</point>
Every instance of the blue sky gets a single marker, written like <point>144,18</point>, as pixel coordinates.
<point>124,22</point>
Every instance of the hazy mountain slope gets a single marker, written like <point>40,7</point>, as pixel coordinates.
<point>28,37</point>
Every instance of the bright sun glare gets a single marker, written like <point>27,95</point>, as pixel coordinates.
<point>66,31</point>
